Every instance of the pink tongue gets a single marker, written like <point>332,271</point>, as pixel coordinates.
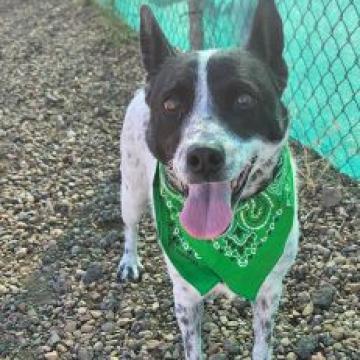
<point>207,210</point>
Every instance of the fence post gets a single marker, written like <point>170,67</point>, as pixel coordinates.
<point>196,24</point>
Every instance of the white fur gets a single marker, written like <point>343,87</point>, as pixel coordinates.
<point>203,128</point>
<point>138,168</point>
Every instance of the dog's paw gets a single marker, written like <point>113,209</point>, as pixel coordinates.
<point>129,269</point>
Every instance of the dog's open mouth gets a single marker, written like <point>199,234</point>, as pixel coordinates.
<point>207,211</point>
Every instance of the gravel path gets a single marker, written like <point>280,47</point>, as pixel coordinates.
<point>66,75</point>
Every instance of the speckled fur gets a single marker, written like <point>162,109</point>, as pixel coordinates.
<point>136,188</point>
<point>138,165</point>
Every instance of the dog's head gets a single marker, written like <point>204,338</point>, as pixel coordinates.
<point>216,120</point>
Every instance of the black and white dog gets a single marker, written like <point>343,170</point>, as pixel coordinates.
<point>208,116</point>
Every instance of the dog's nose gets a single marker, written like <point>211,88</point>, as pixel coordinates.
<point>204,161</point>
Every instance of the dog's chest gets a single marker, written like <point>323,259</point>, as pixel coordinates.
<point>246,253</point>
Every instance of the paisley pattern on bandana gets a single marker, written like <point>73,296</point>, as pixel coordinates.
<point>257,234</point>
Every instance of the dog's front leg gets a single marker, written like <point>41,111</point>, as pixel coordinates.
<point>264,310</point>
<point>133,202</point>
<point>189,309</point>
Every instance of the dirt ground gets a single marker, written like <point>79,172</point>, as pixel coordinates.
<point>67,72</point>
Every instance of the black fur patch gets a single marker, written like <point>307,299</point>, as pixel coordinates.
<point>185,320</point>
<point>177,77</point>
<point>234,73</point>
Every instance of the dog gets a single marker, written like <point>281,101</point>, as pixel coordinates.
<point>206,141</point>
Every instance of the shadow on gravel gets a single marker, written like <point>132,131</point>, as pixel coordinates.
<point>96,229</point>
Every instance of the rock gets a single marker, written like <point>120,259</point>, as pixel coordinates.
<point>82,310</point>
<point>123,321</point>
<point>108,327</point>
<point>51,245</point>
<point>231,347</point>
<point>350,249</point>
<point>110,304</point>
<point>327,340</point>
<point>21,252</point>
<point>84,354</point>
<point>53,355</point>
<point>308,309</point>
<point>70,326</point>
<point>3,289</point>
<point>306,346</point>
<point>323,297</point>
<point>98,346</point>
<point>22,307</point>
<point>285,342</point>
<point>353,288</point>
<point>110,238</point>
<point>304,297</point>
<point>219,356</point>
<point>61,348</point>
<point>87,328</point>
<point>232,324</point>
<point>330,197</point>
<point>93,273</point>
<point>338,333</point>
<point>208,326</point>
<point>54,338</point>
<point>318,356</point>
<point>291,356</point>
<point>96,314</point>
<point>75,250</point>
<point>240,305</point>
<point>153,344</point>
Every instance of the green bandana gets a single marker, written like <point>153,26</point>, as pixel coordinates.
<point>247,252</point>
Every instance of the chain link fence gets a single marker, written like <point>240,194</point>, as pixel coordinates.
<point>322,51</point>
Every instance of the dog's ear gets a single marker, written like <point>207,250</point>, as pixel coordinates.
<point>154,46</point>
<point>266,40</point>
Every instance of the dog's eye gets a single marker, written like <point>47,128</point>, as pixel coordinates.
<point>244,102</point>
<point>172,105</point>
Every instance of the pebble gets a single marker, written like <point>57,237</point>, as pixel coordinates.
<point>98,346</point>
<point>61,348</point>
<point>54,338</point>
<point>93,273</point>
<point>330,197</point>
<point>219,356</point>
<point>306,346</point>
<point>318,356</point>
<point>85,354</point>
<point>70,326</point>
<point>108,327</point>
<point>291,356</point>
<point>123,321</point>
<point>232,324</point>
<point>285,342</point>
<point>153,344</point>
<point>323,297</point>
<point>75,250</point>
<point>96,314</point>
<point>231,347</point>
<point>86,328</point>
<point>21,252</point>
<point>338,333</point>
<point>308,309</point>
<point>111,238</point>
<point>82,310</point>
<point>53,355</point>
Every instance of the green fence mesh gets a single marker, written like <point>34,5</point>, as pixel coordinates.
<point>322,52</point>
